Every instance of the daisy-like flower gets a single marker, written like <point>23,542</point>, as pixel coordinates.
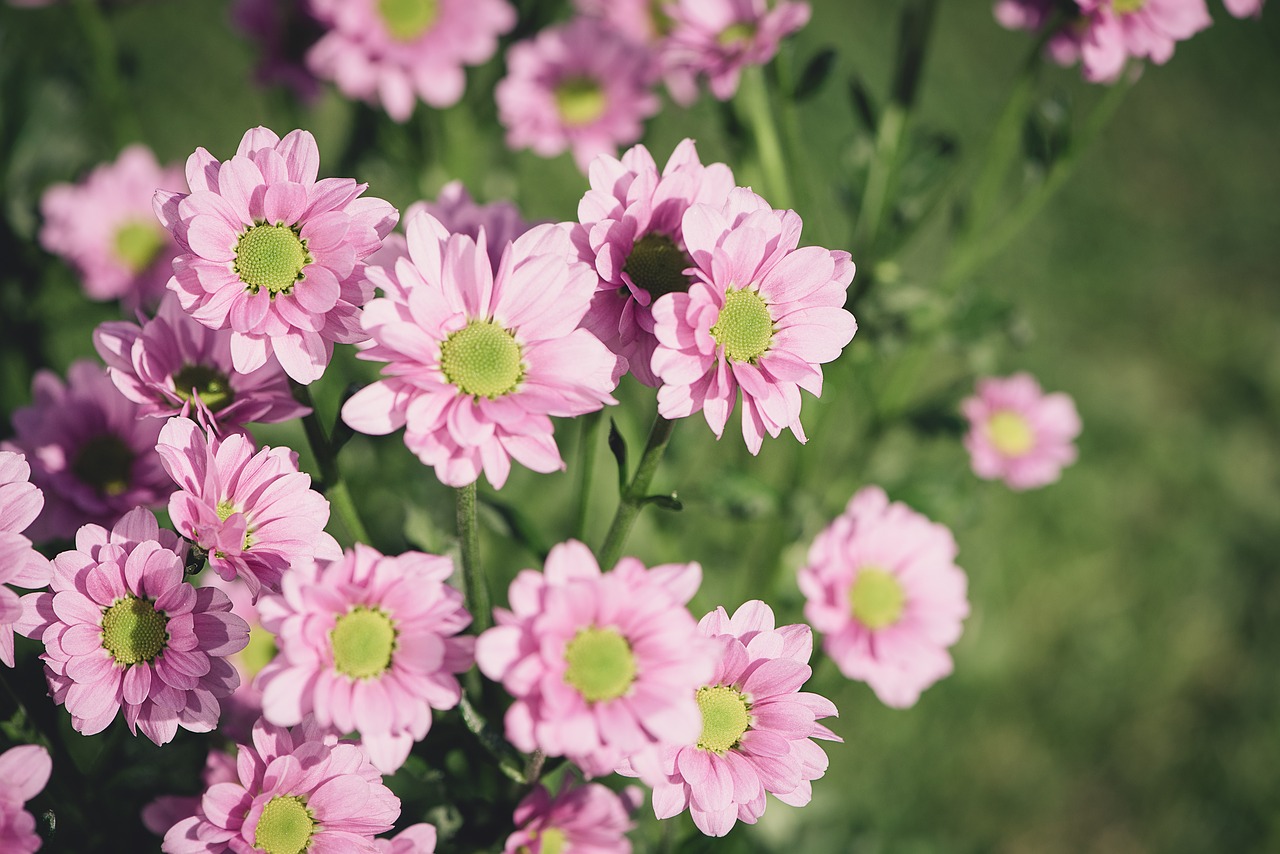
<point>297,790</point>
<point>478,360</point>
<point>273,254</point>
<point>1244,8</point>
<point>580,86</point>
<point>882,585</point>
<point>1112,31</point>
<point>122,630</point>
<point>588,818</point>
<point>24,771</point>
<point>394,52</point>
<point>367,643</point>
<point>20,564</point>
<point>761,315</point>
<point>1019,434</point>
<point>252,511</point>
<point>105,228</point>
<point>601,665</point>
<point>644,21</point>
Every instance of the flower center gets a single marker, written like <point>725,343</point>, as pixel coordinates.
<point>225,509</point>
<point>580,100</point>
<point>285,826</point>
<point>105,463</point>
<point>363,640</point>
<point>552,839</point>
<point>1010,433</point>
<point>137,244</point>
<point>271,257</point>
<point>1125,7</point>
<point>258,653</point>
<point>662,22</point>
<point>724,717</point>
<point>744,327</point>
<point>482,359</point>
<point>736,35</point>
<point>405,20</point>
<point>657,265</point>
<point>211,384</point>
<point>133,630</point>
<point>877,598</point>
<point>600,663</point>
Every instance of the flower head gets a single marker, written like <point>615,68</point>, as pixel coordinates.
<point>24,771</point>
<point>20,564</point>
<point>1244,8</point>
<point>1019,434</point>
<point>587,818</point>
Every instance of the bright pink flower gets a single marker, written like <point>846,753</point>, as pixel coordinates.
<point>480,360</point>
<point>577,86</point>
<point>1019,434</point>
<point>252,511</point>
<point>297,789</point>
<point>601,666</point>
<point>1244,8</point>
<point>415,839</point>
<point>761,315</point>
<point>882,585</point>
<point>367,643</point>
<point>273,254</point>
<point>581,819</point>
<point>24,771</point>
<point>280,29</point>
<point>121,629</point>
<point>167,810</point>
<point>395,52</point>
<point>20,564</point>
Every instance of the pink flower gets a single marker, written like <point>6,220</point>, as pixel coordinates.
<point>1018,434</point>
<point>1244,8</point>
<point>104,227</point>
<point>415,839</point>
<point>643,21</point>
<point>577,86</point>
<point>1023,14</point>
<point>273,254</point>
<point>297,789</point>
<point>480,360</point>
<point>24,771</point>
<point>367,643</point>
<point>395,52</point>
<point>253,512</point>
<point>582,819</point>
<point>882,585</point>
<point>20,564</point>
<point>631,233</point>
<point>1112,31</point>
<point>280,30</point>
<point>89,450</point>
<point>601,666</point>
<point>121,629</point>
<point>167,810</point>
<point>761,315</point>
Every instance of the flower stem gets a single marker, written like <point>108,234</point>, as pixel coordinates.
<point>510,762</point>
<point>633,497</point>
<point>331,484</point>
<point>587,442</point>
<point>473,581</point>
<point>754,96</point>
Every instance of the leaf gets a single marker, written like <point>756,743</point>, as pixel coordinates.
<point>666,502</point>
<point>815,74</point>
<point>618,446</point>
<point>863,104</point>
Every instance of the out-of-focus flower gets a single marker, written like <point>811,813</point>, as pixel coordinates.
<point>415,839</point>
<point>282,30</point>
<point>587,818</point>
<point>24,771</point>
<point>1019,434</point>
<point>20,564</point>
<point>1244,8</point>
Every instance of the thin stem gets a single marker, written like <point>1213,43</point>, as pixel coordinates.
<point>331,484</point>
<point>633,497</point>
<point>474,584</point>
<point>510,762</point>
<point>106,72</point>
<point>754,97</point>
<point>587,442</point>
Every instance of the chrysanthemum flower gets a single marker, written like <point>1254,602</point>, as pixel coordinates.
<point>396,51</point>
<point>761,315</point>
<point>644,21</point>
<point>367,643</point>
<point>122,630</point>
<point>579,86</point>
<point>480,360</point>
<point>299,789</point>
<point>631,233</point>
<point>1114,30</point>
<point>105,228</point>
<point>20,564</point>
<point>882,585</point>
<point>583,819</point>
<point>601,665</point>
<point>281,30</point>
<point>24,771</point>
<point>1019,434</point>
<point>167,810</point>
<point>272,253</point>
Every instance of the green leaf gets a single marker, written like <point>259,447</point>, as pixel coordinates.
<point>815,74</point>
<point>863,104</point>
<point>666,502</point>
<point>618,446</point>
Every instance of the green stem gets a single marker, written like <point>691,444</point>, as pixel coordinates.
<point>474,584</point>
<point>754,97</point>
<point>106,72</point>
<point>632,498</point>
<point>587,441</point>
<point>331,484</point>
<point>510,762</point>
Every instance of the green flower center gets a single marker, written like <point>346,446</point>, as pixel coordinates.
<point>482,359</point>
<point>662,22</point>
<point>213,386</point>
<point>405,20</point>
<point>657,265</point>
<point>724,717</point>
<point>877,598</point>
<point>580,100</point>
<point>1010,433</point>
<point>744,327</point>
<point>553,841</point>
<point>271,257</point>
<point>259,651</point>
<point>1125,7</point>
<point>736,35</point>
<point>285,826</point>
<point>600,663</point>
<point>225,509</point>
<point>137,244</point>
<point>363,640</point>
<point>133,630</point>
<point>104,463</point>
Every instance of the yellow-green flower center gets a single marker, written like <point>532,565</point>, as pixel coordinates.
<point>363,641</point>
<point>657,265</point>
<point>271,257</point>
<point>1010,433</point>
<point>225,509</point>
<point>137,244</point>
<point>600,663</point>
<point>662,22</point>
<point>725,717</point>
<point>285,826</point>
<point>580,100</point>
<point>744,327</point>
<point>405,20</point>
<point>104,463</point>
<point>1125,7</point>
<point>482,359</point>
<point>736,35</point>
<point>133,630</point>
<point>877,598</point>
<point>213,386</point>
<point>259,651</point>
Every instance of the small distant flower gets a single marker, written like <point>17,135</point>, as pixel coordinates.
<point>644,21</point>
<point>588,818</point>
<point>24,771</point>
<point>479,360</point>
<point>394,52</point>
<point>282,29</point>
<point>105,228</point>
<point>1019,434</point>
<point>579,86</point>
<point>415,839</point>
<point>167,810</point>
<point>367,643</point>
<point>273,254</point>
<point>761,315</point>
<point>882,585</point>
<point>251,510</point>
<point>20,564</point>
<point>1244,8</point>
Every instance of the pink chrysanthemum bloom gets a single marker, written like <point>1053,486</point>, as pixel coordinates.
<point>882,585</point>
<point>90,451</point>
<point>367,643</point>
<point>273,254</point>
<point>601,665</point>
<point>167,810</point>
<point>631,233</point>
<point>1019,434</point>
<point>105,228</point>
<point>1244,8</point>
<point>644,21</point>
<point>20,564</point>
<point>251,510</point>
<point>761,315</point>
<point>122,630</point>
<point>396,51</point>
<point>24,771</point>
<point>299,789</point>
<point>480,360</point>
<point>580,819</point>
<point>281,30</point>
<point>1112,31</point>
<point>579,86</point>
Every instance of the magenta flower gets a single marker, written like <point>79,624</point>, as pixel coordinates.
<point>167,810</point>
<point>480,360</point>
<point>761,315</point>
<point>24,771</point>
<point>882,585</point>
<point>1019,434</point>
<point>280,29</point>
<point>583,819</point>
<point>20,564</point>
<point>299,789</point>
<point>273,254</point>
<point>367,643</point>
<point>253,512</point>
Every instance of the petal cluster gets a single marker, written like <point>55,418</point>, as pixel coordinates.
<point>1019,434</point>
<point>24,771</point>
<point>587,818</point>
<point>20,564</point>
